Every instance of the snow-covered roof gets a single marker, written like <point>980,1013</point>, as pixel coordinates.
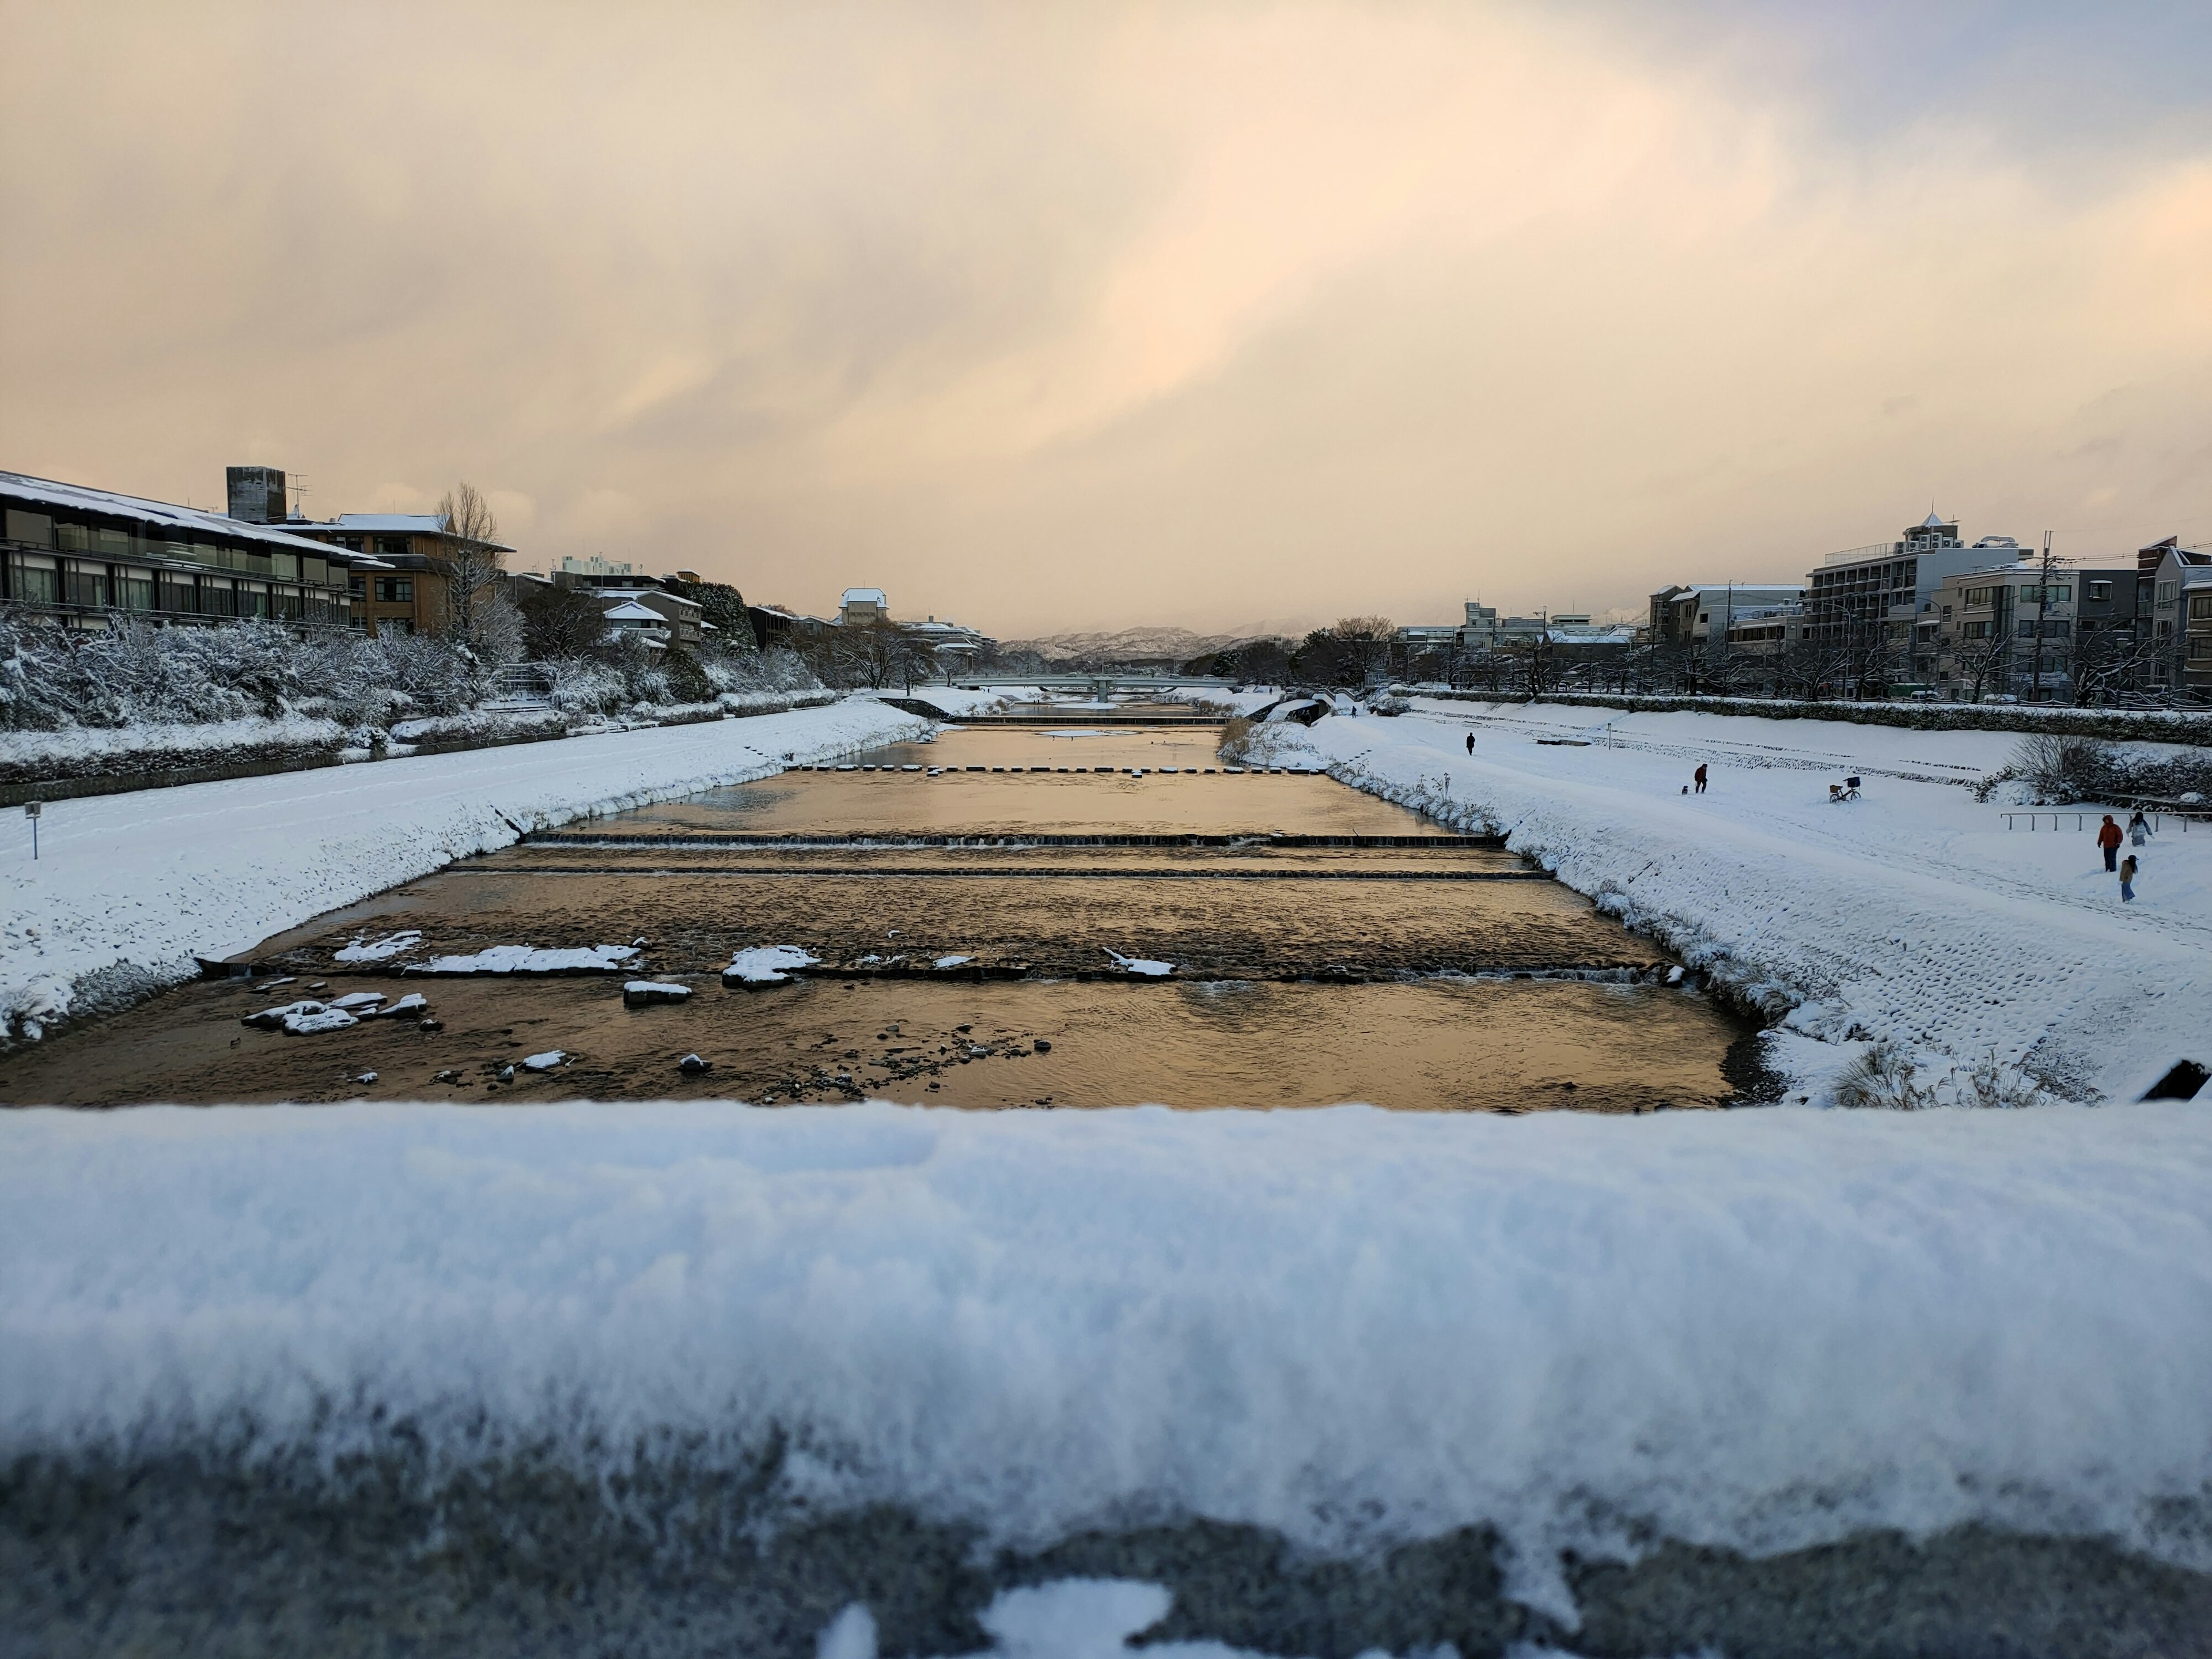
<point>864,596</point>
<point>662,595</point>
<point>392,524</point>
<point>69,497</point>
<point>427,524</point>
<point>631,611</point>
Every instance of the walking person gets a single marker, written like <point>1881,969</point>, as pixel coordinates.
<point>2128,879</point>
<point>2138,828</point>
<point>1701,776</point>
<point>1470,743</point>
<point>2108,837</point>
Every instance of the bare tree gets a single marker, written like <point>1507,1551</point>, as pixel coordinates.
<point>879,655</point>
<point>1366,640</point>
<point>2102,662</point>
<point>470,563</point>
<point>1982,661</point>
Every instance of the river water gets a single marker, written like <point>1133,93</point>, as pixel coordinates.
<point>970,901</point>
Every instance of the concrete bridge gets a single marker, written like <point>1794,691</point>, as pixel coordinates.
<point>1101,684</point>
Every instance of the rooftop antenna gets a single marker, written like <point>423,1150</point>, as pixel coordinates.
<point>296,483</point>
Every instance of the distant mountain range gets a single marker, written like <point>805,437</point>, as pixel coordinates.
<point>1129,645</point>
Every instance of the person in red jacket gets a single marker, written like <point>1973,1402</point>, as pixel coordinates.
<point>2109,838</point>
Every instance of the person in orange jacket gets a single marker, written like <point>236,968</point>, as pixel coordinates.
<point>2109,838</point>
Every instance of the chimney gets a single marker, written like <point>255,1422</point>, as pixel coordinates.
<point>256,494</point>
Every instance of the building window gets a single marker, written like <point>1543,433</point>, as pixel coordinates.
<point>2200,648</point>
<point>134,590</point>
<point>36,528</point>
<point>217,597</point>
<point>86,584</point>
<point>395,590</point>
<point>2165,593</point>
<point>357,583</point>
<point>1975,596</point>
<point>2100,590</point>
<point>32,579</point>
<point>177,594</point>
<point>2200,607</point>
<point>1976,631</point>
<point>393,547</point>
<point>253,600</point>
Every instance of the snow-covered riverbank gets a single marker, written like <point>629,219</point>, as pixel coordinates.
<point>1911,917</point>
<point>129,889</point>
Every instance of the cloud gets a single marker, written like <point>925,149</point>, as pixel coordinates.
<point>1050,318</point>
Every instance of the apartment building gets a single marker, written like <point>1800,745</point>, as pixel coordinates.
<point>1883,596</point>
<point>411,594</point>
<point>76,556</point>
<point>1993,627</point>
<point>1702,613</point>
<point>2174,594</point>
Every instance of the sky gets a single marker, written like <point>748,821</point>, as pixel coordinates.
<point>1070,316</point>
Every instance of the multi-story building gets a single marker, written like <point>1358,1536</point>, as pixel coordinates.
<point>1882,597</point>
<point>1993,627</point>
<point>682,620</point>
<point>2174,594</point>
<point>413,594</point>
<point>1764,630</point>
<point>78,556</point>
<point>863,607</point>
<point>1704,613</point>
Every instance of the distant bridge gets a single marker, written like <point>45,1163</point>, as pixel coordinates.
<point>1101,684</point>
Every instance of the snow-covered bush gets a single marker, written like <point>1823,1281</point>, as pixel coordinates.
<point>137,672</point>
<point>776,670</point>
<point>2062,768</point>
<point>2059,769</point>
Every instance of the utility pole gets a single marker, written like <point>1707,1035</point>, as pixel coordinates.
<point>2042,609</point>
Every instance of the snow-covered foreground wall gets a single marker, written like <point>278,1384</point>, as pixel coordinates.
<point>1750,1330</point>
<point>128,889</point>
<point>1911,916</point>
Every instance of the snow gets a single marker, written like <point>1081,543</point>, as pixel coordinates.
<point>1141,966</point>
<point>73,752</point>
<point>413,1002</point>
<point>381,951</point>
<point>767,964</point>
<point>953,962</point>
<point>1759,1330</point>
<point>1911,916</point>
<point>531,959</point>
<point>655,988</point>
<point>354,1001</point>
<point>327,1020</point>
<point>304,1019</point>
<point>544,1063</point>
<point>131,888</point>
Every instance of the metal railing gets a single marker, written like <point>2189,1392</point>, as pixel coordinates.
<point>2157,820</point>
